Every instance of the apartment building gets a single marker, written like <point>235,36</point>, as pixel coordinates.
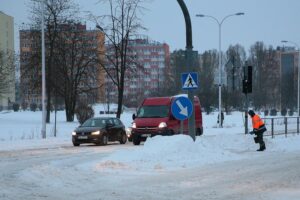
<point>7,97</point>
<point>147,76</point>
<point>288,71</point>
<point>30,47</point>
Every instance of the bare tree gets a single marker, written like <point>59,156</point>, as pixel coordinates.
<point>236,57</point>
<point>77,71</point>
<point>57,12</point>
<point>208,91</point>
<point>122,24</point>
<point>266,81</point>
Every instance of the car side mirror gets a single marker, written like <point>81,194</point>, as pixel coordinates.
<point>133,116</point>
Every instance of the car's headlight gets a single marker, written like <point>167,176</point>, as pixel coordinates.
<point>133,125</point>
<point>96,133</point>
<point>73,133</point>
<point>128,131</point>
<point>162,125</point>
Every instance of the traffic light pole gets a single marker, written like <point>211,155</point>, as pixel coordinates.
<point>247,88</point>
<point>246,115</point>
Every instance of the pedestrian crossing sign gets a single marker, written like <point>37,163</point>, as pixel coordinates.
<point>189,80</point>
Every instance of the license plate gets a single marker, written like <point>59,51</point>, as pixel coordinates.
<point>82,137</point>
<point>146,135</point>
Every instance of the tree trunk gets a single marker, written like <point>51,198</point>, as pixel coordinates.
<point>70,115</point>
<point>48,106</point>
<point>70,104</point>
<point>120,100</point>
<point>70,111</point>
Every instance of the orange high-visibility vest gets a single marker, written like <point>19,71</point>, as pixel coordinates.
<point>257,122</point>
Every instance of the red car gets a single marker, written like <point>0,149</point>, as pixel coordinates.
<point>154,117</point>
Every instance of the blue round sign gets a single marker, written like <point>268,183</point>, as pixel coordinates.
<point>182,108</point>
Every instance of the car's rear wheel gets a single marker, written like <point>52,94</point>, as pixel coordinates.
<point>104,140</point>
<point>136,141</point>
<point>123,138</point>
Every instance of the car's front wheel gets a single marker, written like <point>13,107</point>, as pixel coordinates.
<point>104,140</point>
<point>123,138</point>
<point>136,141</point>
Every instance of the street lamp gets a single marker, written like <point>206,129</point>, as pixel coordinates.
<point>220,55</point>
<point>43,74</point>
<point>294,43</point>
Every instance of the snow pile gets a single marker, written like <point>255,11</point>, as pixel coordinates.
<point>180,151</point>
<point>291,143</point>
<point>171,152</point>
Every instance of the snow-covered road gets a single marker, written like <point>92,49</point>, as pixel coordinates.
<point>275,177</point>
<point>66,173</point>
<point>48,172</point>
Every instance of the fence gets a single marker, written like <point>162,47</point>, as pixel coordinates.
<point>281,126</point>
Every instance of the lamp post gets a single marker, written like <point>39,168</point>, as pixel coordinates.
<point>294,43</point>
<point>220,57</point>
<point>43,75</point>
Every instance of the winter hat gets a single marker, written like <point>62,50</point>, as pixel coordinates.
<point>251,113</point>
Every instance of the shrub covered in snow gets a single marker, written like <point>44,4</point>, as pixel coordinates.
<point>84,112</point>
<point>16,107</point>
<point>33,107</point>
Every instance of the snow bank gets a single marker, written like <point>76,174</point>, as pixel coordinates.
<point>180,151</point>
<point>172,152</point>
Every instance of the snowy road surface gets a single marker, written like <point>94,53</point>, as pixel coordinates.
<point>69,173</point>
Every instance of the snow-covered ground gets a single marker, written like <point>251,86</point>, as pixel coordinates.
<point>53,169</point>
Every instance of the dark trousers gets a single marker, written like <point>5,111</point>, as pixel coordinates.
<point>259,139</point>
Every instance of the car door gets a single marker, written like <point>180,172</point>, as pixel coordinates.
<point>110,129</point>
<point>118,128</point>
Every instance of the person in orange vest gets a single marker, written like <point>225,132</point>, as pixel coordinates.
<point>258,129</point>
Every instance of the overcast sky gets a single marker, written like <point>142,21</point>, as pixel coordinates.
<point>269,21</point>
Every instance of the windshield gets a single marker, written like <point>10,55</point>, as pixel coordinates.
<point>94,123</point>
<point>153,112</point>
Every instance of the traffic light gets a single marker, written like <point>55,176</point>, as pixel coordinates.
<point>247,81</point>
<point>245,86</point>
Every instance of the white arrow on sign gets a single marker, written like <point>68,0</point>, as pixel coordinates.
<point>183,110</point>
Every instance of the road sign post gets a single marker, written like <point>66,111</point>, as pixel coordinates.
<point>190,82</point>
<point>189,59</point>
<point>182,109</point>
